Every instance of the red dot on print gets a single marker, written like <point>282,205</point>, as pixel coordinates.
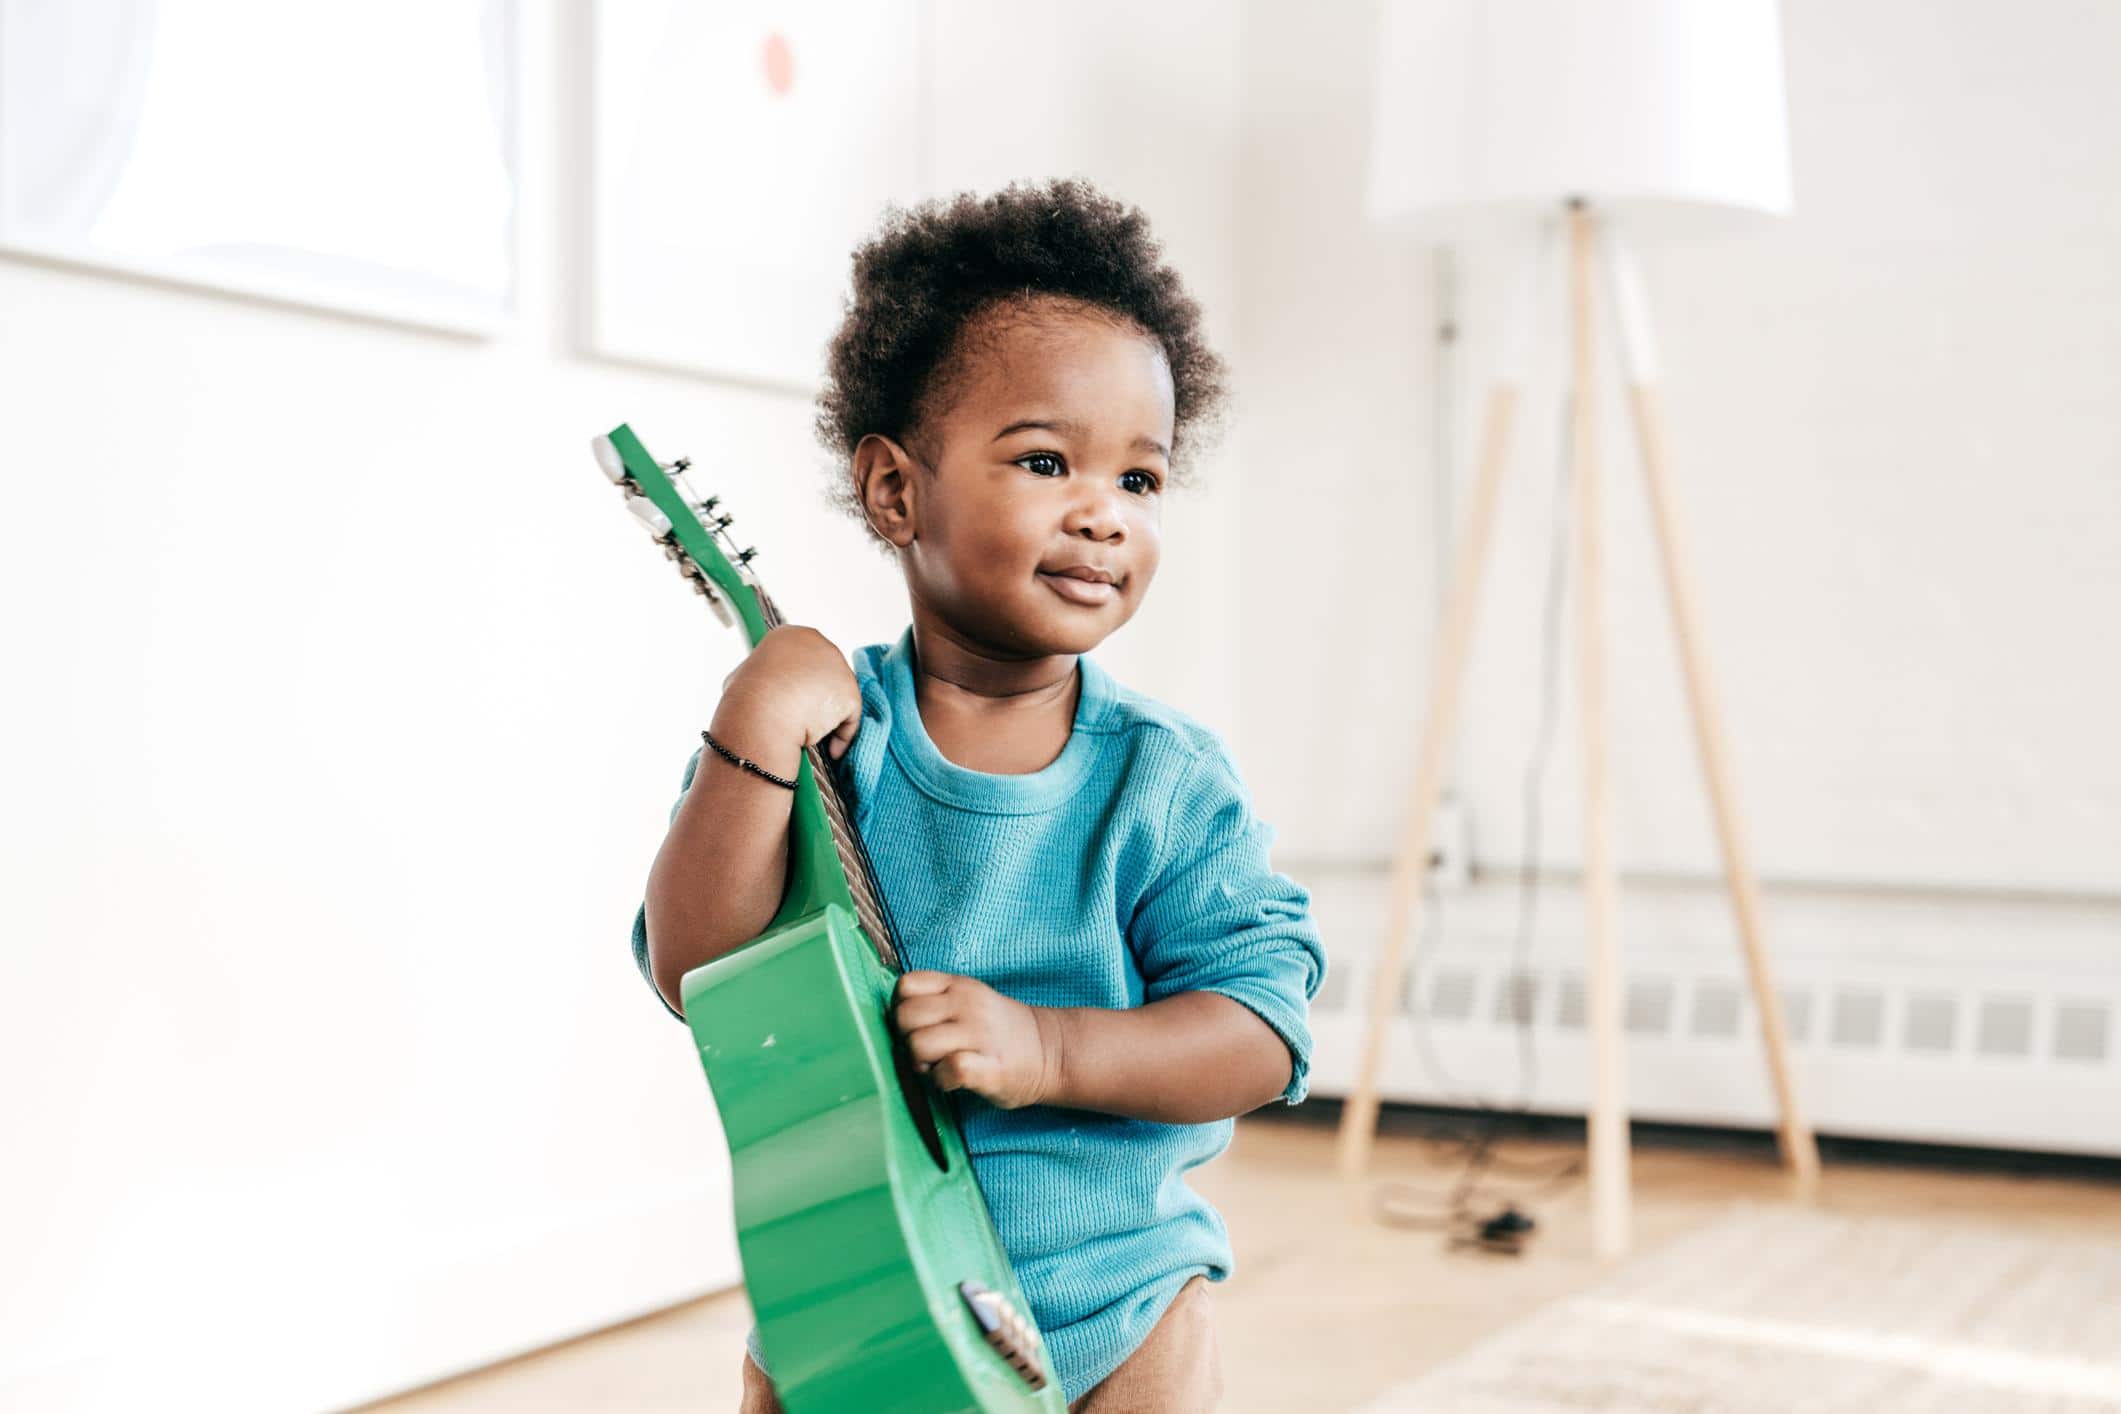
<point>780,65</point>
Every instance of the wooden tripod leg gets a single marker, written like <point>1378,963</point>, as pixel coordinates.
<point>1800,1152</point>
<point>1609,1177</point>
<point>1358,1118</point>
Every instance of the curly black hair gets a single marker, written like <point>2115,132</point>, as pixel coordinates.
<point>901,354</point>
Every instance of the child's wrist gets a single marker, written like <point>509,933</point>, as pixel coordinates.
<point>1053,1039</point>
<point>755,725</point>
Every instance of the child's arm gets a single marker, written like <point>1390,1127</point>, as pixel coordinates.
<point>1187,1059</point>
<point>1229,961</point>
<point>723,868</point>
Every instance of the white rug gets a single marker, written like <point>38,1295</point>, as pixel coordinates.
<point>1792,1311</point>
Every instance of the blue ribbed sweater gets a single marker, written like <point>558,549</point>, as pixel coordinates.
<point>1129,869</point>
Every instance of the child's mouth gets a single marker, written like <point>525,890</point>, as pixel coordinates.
<point>1080,591</point>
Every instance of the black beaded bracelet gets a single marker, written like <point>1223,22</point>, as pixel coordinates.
<point>751,766</point>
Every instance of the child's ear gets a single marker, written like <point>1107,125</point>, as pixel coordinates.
<point>884,481</point>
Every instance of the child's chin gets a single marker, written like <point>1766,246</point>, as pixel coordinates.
<point>1081,631</point>
<point>1061,627</point>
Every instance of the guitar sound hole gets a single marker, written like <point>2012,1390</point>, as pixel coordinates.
<point>915,1091</point>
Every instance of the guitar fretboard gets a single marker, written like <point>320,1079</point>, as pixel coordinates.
<point>869,908</point>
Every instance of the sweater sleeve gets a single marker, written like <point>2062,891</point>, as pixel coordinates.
<point>640,916</point>
<point>1216,917</point>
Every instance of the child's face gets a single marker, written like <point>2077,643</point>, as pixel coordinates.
<point>1007,506</point>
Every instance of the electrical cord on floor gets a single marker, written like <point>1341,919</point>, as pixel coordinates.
<point>1465,1213</point>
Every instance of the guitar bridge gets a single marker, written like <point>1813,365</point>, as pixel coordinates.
<point>1006,1330</point>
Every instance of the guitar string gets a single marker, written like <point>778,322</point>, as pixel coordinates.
<point>870,907</point>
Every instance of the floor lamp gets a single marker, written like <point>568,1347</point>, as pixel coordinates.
<point>1495,118</point>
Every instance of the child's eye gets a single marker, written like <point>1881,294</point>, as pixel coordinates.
<point>1147,483</point>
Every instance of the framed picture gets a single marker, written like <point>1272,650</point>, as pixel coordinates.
<point>740,152</point>
<point>361,158</point>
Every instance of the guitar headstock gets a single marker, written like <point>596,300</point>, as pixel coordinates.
<point>692,529</point>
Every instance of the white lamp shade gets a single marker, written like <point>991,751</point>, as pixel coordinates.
<point>1668,112</point>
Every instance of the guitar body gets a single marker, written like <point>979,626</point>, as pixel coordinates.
<point>873,1268</point>
<point>854,1236</point>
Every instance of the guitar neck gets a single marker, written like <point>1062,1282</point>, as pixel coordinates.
<point>693,532</point>
<point>870,908</point>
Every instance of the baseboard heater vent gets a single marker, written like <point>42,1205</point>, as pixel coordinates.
<point>2024,1064</point>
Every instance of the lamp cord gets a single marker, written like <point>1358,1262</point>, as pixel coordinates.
<point>1405,1205</point>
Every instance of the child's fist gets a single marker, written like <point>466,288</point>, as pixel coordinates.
<point>795,683</point>
<point>971,1037</point>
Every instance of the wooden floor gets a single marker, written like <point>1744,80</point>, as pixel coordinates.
<point>1327,1307</point>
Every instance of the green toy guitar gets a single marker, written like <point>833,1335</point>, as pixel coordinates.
<point>872,1265</point>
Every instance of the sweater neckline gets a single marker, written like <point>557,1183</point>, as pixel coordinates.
<point>1000,794</point>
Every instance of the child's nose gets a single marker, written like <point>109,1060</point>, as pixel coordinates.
<point>1098,512</point>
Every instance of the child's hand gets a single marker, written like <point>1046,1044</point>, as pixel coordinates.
<point>795,683</point>
<point>971,1037</point>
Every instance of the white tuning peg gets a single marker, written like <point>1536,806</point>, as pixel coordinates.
<point>608,458</point>
<point>644,511</point>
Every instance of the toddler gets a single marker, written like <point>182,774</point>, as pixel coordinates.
<point>1100,959</point>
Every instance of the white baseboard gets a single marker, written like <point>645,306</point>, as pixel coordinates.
<point>1966,1021</point>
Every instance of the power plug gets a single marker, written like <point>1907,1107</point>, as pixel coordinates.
<point>1450,845</point>
<point>1507,1232</point>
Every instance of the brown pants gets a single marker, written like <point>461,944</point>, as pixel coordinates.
<point>1177,1369</point>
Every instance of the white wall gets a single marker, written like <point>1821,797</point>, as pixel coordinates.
<point>346,708</point>
<point>1033,90</point>
<point>1897,458</point>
